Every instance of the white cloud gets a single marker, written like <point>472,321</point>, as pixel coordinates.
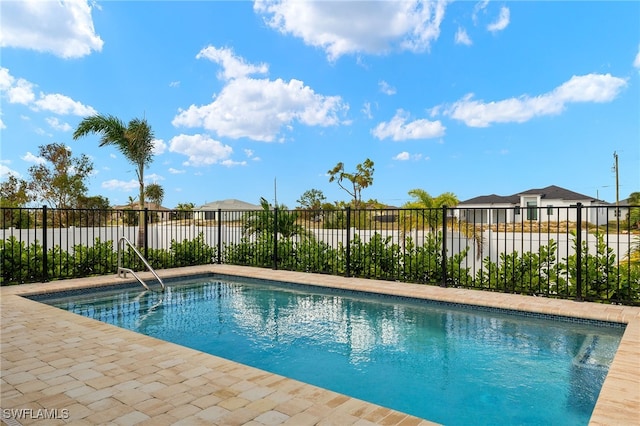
<point>231,163</point>
<point>57,124</point>
<point>586,88</point>
<point>153,178</point>
<point>61,104</point>
<point>201,149</point>
<point>64,28</point>
<point>462,37</point>
<point>386,88</point>
<point>259,108</point>
<point>20,91</point>
<point>250,154</point>
<point>382,26</point>
<point>366,110</point>
<point>403,156</point>
<point>40,131</point>
<point>31,158</point>
<point>398,129</point>
<point>479,7</point>
<point>232,66</point>
<point>6,171</point>
<point>636,62</point>
<point>121,185</point>
<point>176,171</point>
<point>2,125</point>
<point>502,22</point>
<point>159,147</point>
<point>174,84</point>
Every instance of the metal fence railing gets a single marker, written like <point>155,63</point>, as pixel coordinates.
<point>577,252</point>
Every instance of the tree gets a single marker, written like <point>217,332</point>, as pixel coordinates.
<point>60,181</point>
<point>361,179</point>
<point>155,193</point>
<point>422,200</point>
<point>184,211</point>
<point>311,199</point>
<point>262,222</point>
<point>94,211</point>
<point>14,192</point>
<point>135,142</point>
<point>185,206</point>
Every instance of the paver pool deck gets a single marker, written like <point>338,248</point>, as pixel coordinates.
<point>84,372</point>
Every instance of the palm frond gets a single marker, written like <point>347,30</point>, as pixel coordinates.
<point>110,128</point>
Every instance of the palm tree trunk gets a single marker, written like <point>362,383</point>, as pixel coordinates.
<point>141,233</point>
<point>142,218</point>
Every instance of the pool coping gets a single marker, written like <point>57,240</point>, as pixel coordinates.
<point>53,360</point>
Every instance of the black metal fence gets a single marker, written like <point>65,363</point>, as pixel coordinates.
<point>577,252</point>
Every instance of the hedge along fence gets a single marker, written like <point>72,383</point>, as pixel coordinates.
<point>576,260</point>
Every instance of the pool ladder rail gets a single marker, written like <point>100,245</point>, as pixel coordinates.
<point>122,271</point>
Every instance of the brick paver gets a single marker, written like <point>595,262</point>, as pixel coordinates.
<point>101,374</point>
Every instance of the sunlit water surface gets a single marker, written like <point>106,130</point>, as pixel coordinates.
<point>448,364</point>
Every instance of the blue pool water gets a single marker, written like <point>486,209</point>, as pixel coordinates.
<point>449,364</point>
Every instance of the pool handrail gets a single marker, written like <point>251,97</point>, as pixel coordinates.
<point>123,270</point>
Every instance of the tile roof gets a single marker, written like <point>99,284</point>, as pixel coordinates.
<point>551,192</point>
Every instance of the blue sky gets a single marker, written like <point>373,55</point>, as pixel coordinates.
<point>473,98</point>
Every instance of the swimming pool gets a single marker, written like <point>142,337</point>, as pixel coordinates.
<point>437,361</point>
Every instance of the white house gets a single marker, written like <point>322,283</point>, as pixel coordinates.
<point>161,213</point>
<point>231,210</point>
<point>552,204</point>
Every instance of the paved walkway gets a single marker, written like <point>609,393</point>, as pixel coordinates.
<point>74,370</point>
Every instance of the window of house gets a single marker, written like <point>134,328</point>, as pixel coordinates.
<point>516,210</point>
<point>532,210</point>
<point>549,210</point>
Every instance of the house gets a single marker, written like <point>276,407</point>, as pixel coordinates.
<point>545,204</point>
<point>230,210</point>
<point>623,208</point>
<point>161,213</point>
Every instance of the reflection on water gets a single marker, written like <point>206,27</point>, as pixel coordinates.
<point>447,365</point>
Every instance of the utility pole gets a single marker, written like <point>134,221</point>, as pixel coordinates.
<point>615,168</point>
<point>275,192</point>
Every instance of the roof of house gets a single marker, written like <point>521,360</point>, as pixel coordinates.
<point>134,206</point>
<point>493,199</point>
<point>230,204</point>
<point>551,192</point>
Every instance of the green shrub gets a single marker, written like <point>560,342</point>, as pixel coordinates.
<point>20,263</point>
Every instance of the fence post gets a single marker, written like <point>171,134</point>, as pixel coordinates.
<point>146,233</point>
<point>347,268</point>
<point>45,263</point>
<point>579,252</point>
<point>219,236</point>
<point>275,237</point>
<point>444,247</point>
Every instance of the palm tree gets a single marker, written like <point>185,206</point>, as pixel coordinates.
<point>422,200</point>
<point>155,193</point>
<point>263,222</point>
<point>135,142</point>
<point>433,214</point>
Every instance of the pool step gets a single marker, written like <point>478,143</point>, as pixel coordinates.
<point>597,352</point>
